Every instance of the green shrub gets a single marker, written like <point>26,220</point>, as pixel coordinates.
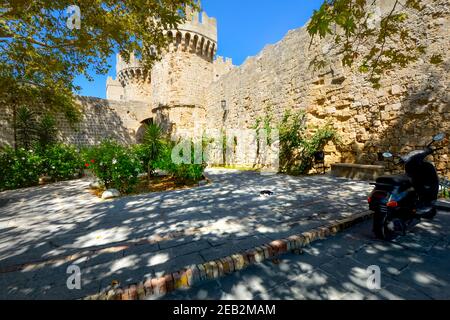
<point>114,165</point>
<point>183,173</point>
<point>61,162</point>
<point>26,128</point>
<point>314,144</point>
<point>188,173</point>
<point>150,151</point>
<point>19,168</point>
<point>47,132</point>
<point>32,133</point>
<point>444,191</point>
<point>297,147</point>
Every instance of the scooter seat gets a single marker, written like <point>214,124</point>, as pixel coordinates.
<point>399,180</point>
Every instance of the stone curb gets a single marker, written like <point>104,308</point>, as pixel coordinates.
<point>195,274</point>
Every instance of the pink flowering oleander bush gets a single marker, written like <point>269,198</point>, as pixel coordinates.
<point>19,168</point>
<point>114,165</point>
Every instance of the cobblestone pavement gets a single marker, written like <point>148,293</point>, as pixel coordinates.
<point>44,230</point>
<point>415,266</point>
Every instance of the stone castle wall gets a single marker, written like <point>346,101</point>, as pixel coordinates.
<point>105,119</point>
<point>102,119</point>
<point>411,106</point>
<point>6,129</point>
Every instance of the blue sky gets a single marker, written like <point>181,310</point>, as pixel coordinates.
<point>245,28</point>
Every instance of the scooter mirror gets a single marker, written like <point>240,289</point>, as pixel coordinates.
<point>388,155</point>
<point>439,137</point>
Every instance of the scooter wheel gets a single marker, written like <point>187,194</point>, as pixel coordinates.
<point>431,215</point>
<point>384,228</point>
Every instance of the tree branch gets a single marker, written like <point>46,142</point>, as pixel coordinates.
<point>384,39</point>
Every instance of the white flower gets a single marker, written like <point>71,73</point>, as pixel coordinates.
<point>114,161</point>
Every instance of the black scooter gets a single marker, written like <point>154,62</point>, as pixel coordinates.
<point>401,201</point>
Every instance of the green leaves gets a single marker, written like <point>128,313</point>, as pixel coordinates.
<point>114,165</point>
<point>26,128</point>
<point>40,56</point>
<point>61,162</point>
<point>298,146</point>
<point>19,168</point>
<point>375,43</point>
<point>321,21</point>
<point>152,148</point>
<point>47,131</point>
<point>33,131</point>
<point>184,173</point>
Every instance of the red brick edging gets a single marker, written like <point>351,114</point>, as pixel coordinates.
<point>191,276</point>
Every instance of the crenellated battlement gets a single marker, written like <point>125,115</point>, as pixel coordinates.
<point>121,64</point>
<point>222,66</point>
<point>200,23</point>
<point>197,35</point>
<point>224,61</point>
<point>193,43</point>
<point>131,73</point>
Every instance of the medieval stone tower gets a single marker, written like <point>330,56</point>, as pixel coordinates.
<point>132,84</point>
<point>175,89</point>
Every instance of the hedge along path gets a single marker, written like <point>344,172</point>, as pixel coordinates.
<point>196,274</point>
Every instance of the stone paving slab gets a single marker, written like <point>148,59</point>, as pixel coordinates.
<point>443,204</point>
<point>408,272</point>
<point>50,227</point>
<point>192,275</point>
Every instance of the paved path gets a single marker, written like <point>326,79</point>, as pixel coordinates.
<point>415,266</point>
<point>44,230</point>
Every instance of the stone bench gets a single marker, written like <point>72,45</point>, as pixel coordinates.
<point>357,171</point>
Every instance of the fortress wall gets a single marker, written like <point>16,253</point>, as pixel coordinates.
<point>104,119</point>
<point>6,129</point>
<point>101,119</point>
<point>221,66</point>
<point>114,90</point>
<point>411,106</point>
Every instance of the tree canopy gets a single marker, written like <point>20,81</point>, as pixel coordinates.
<point>43,49</point>
<point>374,41</point>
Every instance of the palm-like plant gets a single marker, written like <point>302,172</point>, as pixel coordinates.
<point>47,131</point>
<point>26,127</point>
<point>153,144</point>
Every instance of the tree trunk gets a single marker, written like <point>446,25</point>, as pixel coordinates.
<point>15,124</point>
